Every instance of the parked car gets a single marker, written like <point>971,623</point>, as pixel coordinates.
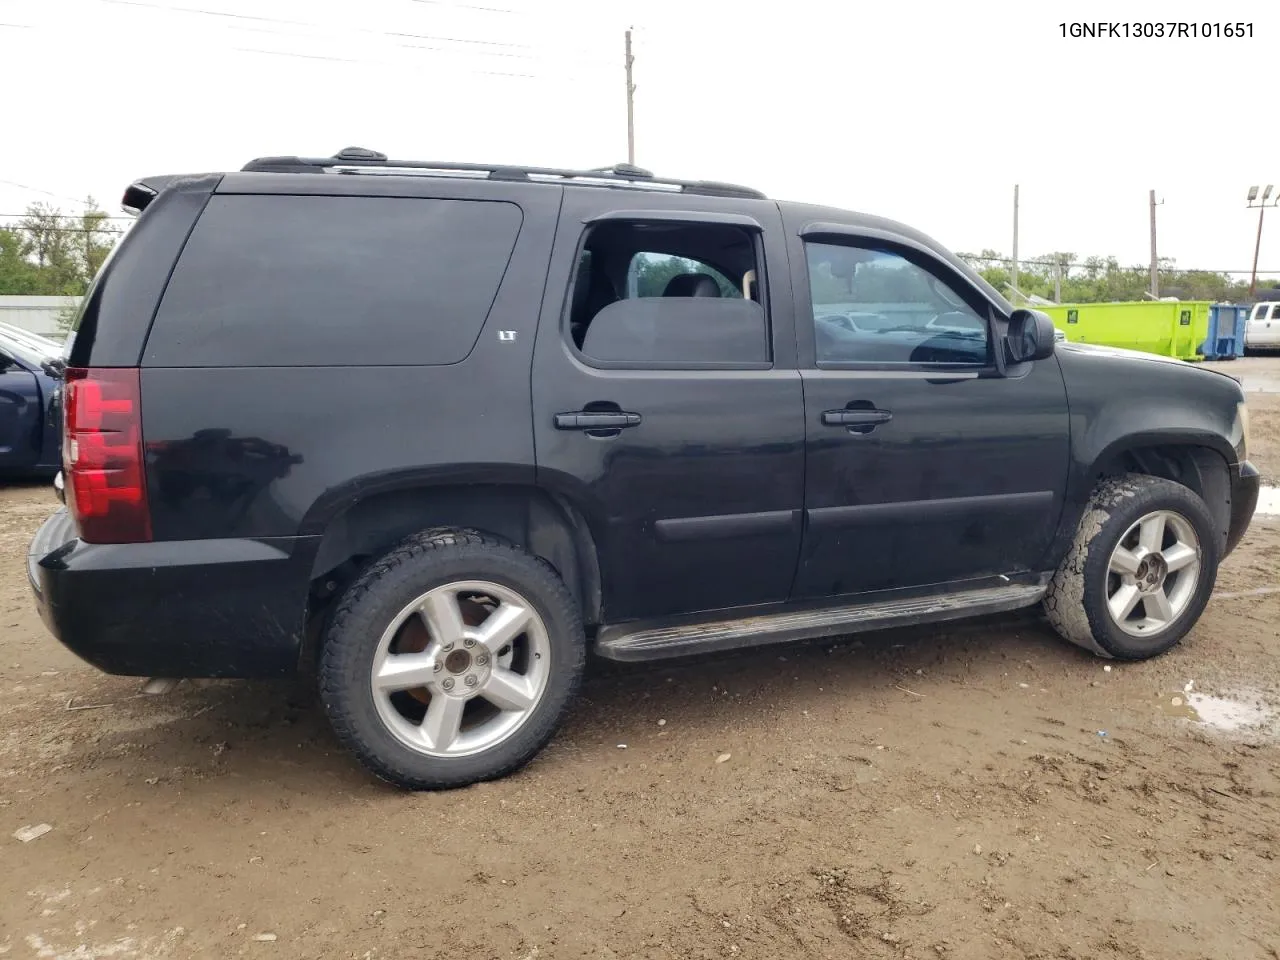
<point>1263,329</point>
<point>404,420</point>
<point>44,345</point>
<point>30,403</point>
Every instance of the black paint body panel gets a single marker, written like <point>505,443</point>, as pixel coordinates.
<point>726,492</point>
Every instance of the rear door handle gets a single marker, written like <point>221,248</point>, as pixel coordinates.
<point>869,419</point>
<point>594,420</point>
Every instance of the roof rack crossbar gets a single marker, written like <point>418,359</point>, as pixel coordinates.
<point>353,160</point>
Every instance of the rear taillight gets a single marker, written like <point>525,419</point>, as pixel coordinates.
<point>102,455</point>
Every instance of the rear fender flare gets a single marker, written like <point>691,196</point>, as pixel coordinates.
<point>373,514</point>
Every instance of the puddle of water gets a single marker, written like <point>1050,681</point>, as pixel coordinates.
<point>1268,506</point>
<point>1269,501</point>
<point>1224,714</point>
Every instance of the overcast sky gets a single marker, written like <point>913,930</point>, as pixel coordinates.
<point>924,112</point>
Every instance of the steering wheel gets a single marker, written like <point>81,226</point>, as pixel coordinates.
<point>838,320</point>
<point>955,318</point>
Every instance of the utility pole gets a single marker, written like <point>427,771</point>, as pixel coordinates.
<point>1257,249</point>
<point>631,105</point>
<point>1262,205</point>
<point>1014,277</point>
<point>1057,280</point>
<point>1155,262</point>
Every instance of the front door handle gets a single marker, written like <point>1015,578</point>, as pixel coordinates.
<point>860,421</point>
<point>596,420</point>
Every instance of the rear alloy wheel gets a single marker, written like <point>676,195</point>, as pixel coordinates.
<point>1140,571</point>
<point>460,668</point>
<point>451,660</point>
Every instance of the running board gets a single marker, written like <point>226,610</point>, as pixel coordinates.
<point>626,642</point>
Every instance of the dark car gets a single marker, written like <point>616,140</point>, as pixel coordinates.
<point>30,403</point>
<point>412,422</point>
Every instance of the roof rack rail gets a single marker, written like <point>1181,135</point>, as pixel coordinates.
<point>357,160</point>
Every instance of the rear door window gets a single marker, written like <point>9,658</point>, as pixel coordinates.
<point>333,281</point>
<point>669,309</point>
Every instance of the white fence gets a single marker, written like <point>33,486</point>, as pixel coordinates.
<point>37,314</point>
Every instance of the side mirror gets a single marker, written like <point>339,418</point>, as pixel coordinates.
<point>1031,336</point>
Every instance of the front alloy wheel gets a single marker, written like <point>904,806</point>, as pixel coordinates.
<point>1153,573</point>
<point>1140,570</point>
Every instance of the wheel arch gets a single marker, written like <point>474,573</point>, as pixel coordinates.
<point>545,524</point>
<point>1200,462</point>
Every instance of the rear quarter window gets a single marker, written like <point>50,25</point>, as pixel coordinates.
<point>333,281</point>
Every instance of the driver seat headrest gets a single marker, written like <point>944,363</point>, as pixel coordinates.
<point>691,285</point>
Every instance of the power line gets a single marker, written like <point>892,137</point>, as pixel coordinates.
<point>208,13</point>
<point>62,216</point>
<point>566,78</point>
<point>471,6</point>
<point>56,196</point>
<point>458,45</point>
<point>379,33</point>
<point>430,36</point>
<point>92,233</point>
<point>60,229</point>
<point>300,56</point>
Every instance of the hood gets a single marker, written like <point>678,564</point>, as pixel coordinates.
<point>1099,349</point>
<point>1122,353</point>
<point>1094,373</point>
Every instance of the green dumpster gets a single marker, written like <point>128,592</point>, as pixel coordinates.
<point>1169,328</point>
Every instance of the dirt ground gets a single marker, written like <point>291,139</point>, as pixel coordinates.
<point>982,791</point>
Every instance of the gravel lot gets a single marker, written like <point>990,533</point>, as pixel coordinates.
<point>980,791</point>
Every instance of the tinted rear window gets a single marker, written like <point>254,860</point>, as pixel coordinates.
<point>315,281</point>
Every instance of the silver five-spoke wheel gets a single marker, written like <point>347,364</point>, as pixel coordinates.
<point>460,668</point>
<point>1153,573</point>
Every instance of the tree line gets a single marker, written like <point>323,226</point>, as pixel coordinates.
<point>654,271</point>
<point>49,253</point>
<point>1103,279</point>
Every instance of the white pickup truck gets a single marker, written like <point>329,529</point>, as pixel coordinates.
<point>1263,331</point>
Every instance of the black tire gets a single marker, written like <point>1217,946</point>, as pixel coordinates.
<point>1076,602</point>
<point>419,563</point>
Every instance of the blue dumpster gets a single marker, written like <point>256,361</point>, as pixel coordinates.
<point>1227,324</point>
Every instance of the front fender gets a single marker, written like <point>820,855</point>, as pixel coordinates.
<point>1122,402</point>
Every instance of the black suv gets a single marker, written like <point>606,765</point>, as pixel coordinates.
<point>440,429</point>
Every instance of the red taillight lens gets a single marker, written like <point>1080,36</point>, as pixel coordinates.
<point>102,455</point>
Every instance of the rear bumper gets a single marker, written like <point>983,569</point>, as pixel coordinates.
<point>1245,484</point>
<point>197,608</point>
